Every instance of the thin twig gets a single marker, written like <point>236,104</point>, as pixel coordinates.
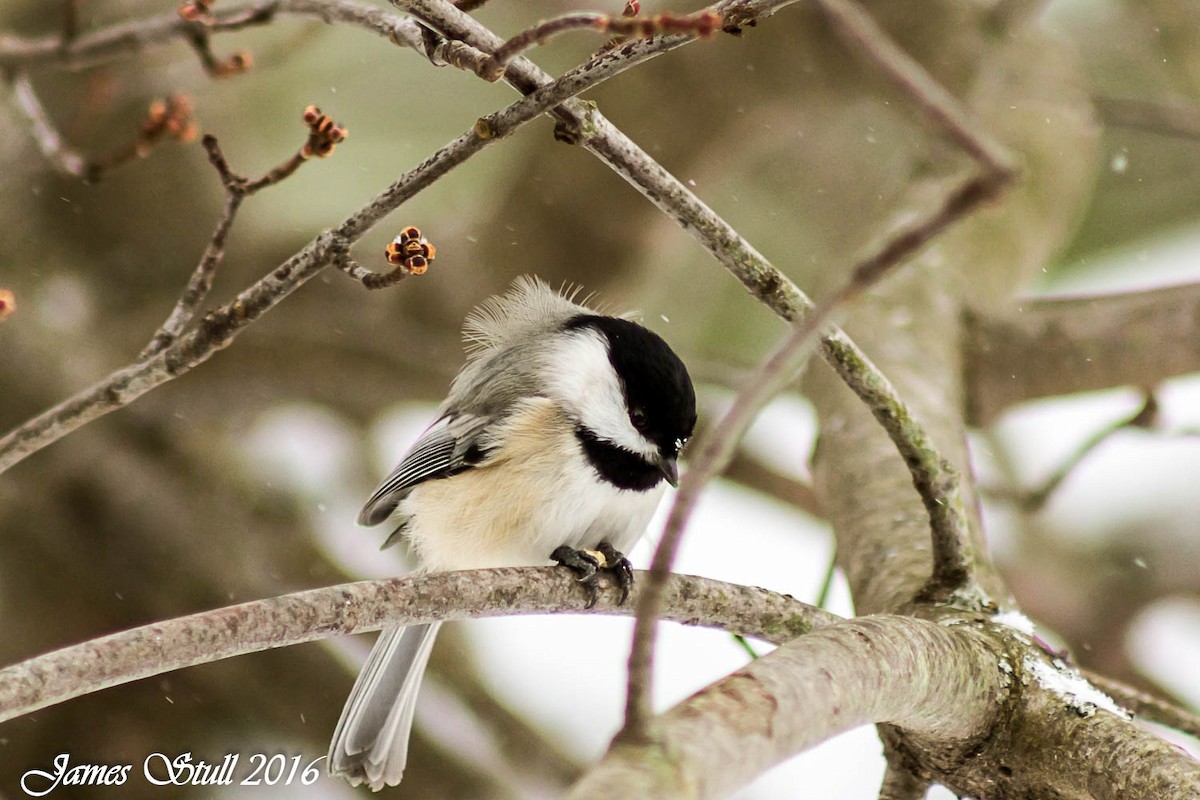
<point>1033,500</point>
<point>237,189</point>
<point>1145,705</point>
<point>822,599</point>
<point>219,328</point>
<point>702,24</point>
<point>54,148</point>
<point>200,40</point>
<point>367,606</point>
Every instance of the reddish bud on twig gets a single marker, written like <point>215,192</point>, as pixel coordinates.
<point>324,133</point>
<point>632,8</point>
<point>197,11</point>
<point>8,304</point>
<point>411,251</point>
<point>171,118</point>
<point>236,64</point>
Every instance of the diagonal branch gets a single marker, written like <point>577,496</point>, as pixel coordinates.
<point>951,540</point>
<point>219,328</point>
<point>368,606</point>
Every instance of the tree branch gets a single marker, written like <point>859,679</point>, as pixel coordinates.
<point>953,561</point>
<point>900,669</point>
<point>368,606</point>
<point>1032,500</point>
<point>899,783</point>
<point>221,326</point>
<point>1146,705</point>
<point>1078,344</point>
<point>1160,118</point>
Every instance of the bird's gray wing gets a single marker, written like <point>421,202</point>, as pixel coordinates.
<point>448,446</point>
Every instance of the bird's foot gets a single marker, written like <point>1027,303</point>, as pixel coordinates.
<point>587,565</point>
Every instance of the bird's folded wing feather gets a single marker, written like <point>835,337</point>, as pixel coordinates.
<point>448,446</point>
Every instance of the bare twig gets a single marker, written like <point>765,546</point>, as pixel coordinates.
<point>1145,705</point>
<point>198,37</point>
<point>237,189</point>
<point>64,157</point>
<point>368,606</point>
<point>1032,500</point>
<point>822,599</point>
<point>702,24</point>
<point>219,328</point>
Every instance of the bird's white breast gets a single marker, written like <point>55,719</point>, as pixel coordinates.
<point>538,493</point>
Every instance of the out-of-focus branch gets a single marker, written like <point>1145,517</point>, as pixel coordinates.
<point>1032,500</point>
<point>752,472</point>
<point>1168,120</point>
<point>165,119</point>
<point>368,606</point>
<point>937,105</point>
<point>1081,344</point>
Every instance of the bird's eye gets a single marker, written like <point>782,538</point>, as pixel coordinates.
<point>638,417</point>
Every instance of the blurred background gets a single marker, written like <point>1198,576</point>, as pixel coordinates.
<point>242,479</point>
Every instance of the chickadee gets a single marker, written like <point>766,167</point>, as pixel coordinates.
<point>554,444</point>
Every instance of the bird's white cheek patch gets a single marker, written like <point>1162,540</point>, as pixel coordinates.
<point>583,381</point>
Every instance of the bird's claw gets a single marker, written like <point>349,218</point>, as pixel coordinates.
<point>586,564</point>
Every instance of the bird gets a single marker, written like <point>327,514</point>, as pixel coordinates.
<point>555,444</point>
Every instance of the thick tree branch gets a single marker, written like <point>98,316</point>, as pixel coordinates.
<point>1081,344</point>
<point>1007,721</point>
<point>368,606</point>
<point>914,673</point>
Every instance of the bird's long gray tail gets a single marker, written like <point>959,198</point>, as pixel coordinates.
<point>370,744</point>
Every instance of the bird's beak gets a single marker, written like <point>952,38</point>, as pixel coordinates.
<point>669,470</point>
